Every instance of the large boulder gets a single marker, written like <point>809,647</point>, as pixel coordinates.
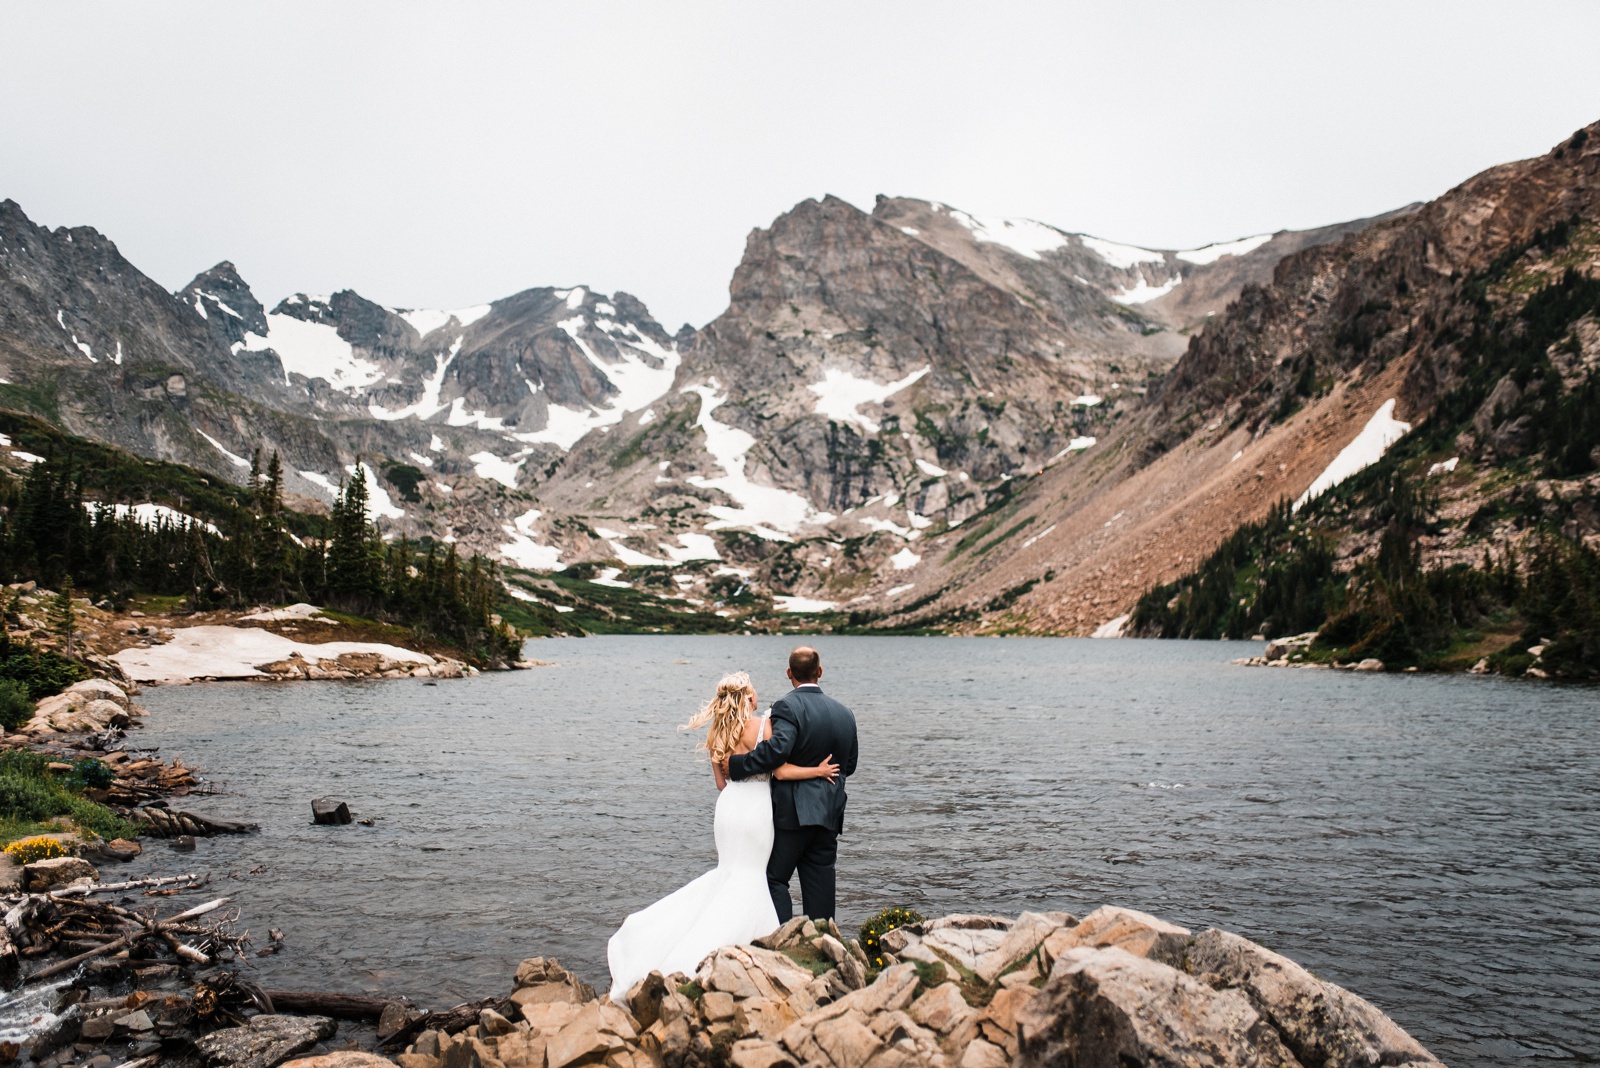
<point>941,1009</point>
<point>44,875</point>
<point>598,1029</point>
<point>1109,1007</point>
<point>750,971</point>
<point>966,939</point>
<point>541,980</point>
<point>100,690</point>
<point>1136,932</point>
<point>1025,936</point>
<point>265,1041</point>
<point>1322,1024</point>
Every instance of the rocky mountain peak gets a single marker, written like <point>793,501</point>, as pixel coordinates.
<point>226,303</point>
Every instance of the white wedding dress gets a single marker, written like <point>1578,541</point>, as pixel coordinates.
<point>726,906</point>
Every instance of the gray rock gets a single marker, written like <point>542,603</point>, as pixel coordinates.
<point>1109,1007</point>
<point>328,812</point>
<point>264,1042</point>
<point>1322,1024</point>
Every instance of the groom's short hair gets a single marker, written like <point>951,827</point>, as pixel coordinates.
<point>804,664</point>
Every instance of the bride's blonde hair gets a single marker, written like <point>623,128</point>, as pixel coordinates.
<point>725,714</point>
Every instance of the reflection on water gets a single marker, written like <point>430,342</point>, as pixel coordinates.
<point>1430,843</point>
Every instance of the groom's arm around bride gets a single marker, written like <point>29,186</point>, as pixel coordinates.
<point>807,814</point>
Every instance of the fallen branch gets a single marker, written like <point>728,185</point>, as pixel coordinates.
<point>131,884</point>
<point>318,1003</point>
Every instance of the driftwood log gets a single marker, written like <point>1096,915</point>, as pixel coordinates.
<point>319,1003</point>
<point>450,1021</point>
<point>189,882</point>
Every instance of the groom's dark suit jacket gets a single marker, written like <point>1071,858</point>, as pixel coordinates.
<point>807,726</point>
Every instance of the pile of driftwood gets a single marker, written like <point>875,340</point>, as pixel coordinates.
<point>72,925</point>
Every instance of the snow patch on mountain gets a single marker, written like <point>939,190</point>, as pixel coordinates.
<point>840,393</point>
<point>314,350</point>
<point>524,548</point>
<point>1213,253</point>
<point>379,504</point>
<point>638,382</point>
<point>804,605</point>
<point>316,478</point>
<point>1022,236</point>
<point>429,405</point>
<point>149,514</point>
<point>233,458</point>
<point>489,466</point>
<point>426,320</point>
<point>766,511</point>
<point>692,547</point>
<point>1381,431</point>
<point>1145,292</point>
<point>1123,256</point>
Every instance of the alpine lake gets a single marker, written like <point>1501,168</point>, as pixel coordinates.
<point>1431,843</point>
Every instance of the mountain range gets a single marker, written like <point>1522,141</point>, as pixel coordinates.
<point>912,417</point>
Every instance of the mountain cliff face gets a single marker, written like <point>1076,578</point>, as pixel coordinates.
<point>883,389</point>
<point>1463,331</point>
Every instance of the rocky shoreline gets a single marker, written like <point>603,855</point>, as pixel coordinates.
<point>1117,988</point>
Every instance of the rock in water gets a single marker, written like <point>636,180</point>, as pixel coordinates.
<point>264,1042</point>
<point>326,811</point>
<point>1107,1006</point>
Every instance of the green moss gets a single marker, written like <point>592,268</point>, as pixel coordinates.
<point>808,956</point>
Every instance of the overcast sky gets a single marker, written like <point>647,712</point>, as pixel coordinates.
<point>445,154</point>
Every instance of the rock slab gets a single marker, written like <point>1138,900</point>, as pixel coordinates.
<point>264,1042</point>
<point>1109,1007</point>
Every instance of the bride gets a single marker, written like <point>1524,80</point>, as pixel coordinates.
<point>731,903</point>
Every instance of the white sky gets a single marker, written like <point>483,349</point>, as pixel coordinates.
<point>447,154</point>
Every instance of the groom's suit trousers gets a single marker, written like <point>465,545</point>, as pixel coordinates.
<point>813,850</point>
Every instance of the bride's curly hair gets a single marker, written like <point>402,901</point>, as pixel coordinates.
<point>725,714</point>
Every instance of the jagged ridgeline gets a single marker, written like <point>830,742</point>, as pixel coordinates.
<point>216,545</point>
<point>1382,570</point>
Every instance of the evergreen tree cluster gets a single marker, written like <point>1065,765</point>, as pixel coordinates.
<point>1277,576</point>
<point>248,555</point>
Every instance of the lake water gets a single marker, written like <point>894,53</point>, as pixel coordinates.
<point>1432,843</point>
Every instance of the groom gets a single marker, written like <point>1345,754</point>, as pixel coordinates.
<point>807,814</point>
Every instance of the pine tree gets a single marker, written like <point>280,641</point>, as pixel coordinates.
<point>64,614</point>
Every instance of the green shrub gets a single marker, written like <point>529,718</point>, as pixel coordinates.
<point>880,925</point>
<point>30,798</point>
<point>92,774</point>
<point>29,793</point>
<point>44,673</point>
<point>16,707</point>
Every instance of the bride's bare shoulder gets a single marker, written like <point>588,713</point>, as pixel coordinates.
<point>755,731</point>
